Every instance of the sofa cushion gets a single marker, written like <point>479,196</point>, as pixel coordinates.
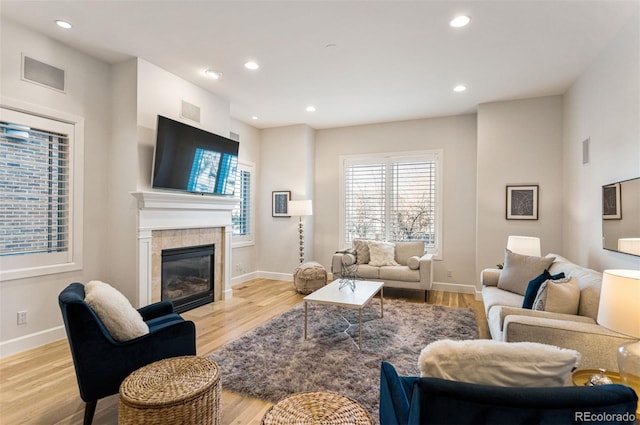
<point>361,246</point>
<point>406,250</point>
<point>506,364</point>
<point>492,296</point>
<point>382,254</point>
<point>534,286</point>
<point>366,271</point>
<point>403,273</point>
<point>115,311</point>
<point>558,296</point>
<point>519,270</point>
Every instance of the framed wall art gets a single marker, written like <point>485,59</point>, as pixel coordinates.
<point>522,202</point>
<point>611,202</point>
<point>280,203</point>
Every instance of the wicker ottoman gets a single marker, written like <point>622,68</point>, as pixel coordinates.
<point>179,390</point>
<point>309,277</point>
<point>317,408</point>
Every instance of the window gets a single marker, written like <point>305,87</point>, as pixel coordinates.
<point>40,219</point>
<point>242,215</point>
<point>392,197</point>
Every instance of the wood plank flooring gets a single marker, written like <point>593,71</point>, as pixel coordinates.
<point>39,386</point>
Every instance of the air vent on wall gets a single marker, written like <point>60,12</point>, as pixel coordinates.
<point>234,136</point>
<point>190,111</point>
<point>42,73</point>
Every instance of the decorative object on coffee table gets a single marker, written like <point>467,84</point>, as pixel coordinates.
<point>309,277</point>
<point>179,390</point>
<point>349,271</point>
<point>317,408</point>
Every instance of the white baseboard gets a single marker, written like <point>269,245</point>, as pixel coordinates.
<point>276,276</point>
<point>27,342</point>
<point>454,287</point>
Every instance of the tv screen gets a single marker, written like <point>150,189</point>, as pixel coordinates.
<point>193,160</point>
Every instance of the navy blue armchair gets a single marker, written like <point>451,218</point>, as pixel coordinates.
<point>424,401</point>
<point>101,362</point>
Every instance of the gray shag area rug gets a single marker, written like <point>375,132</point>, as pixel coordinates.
<point>274,360</point>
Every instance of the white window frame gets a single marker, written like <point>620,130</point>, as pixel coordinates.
<point>32,265</point>
<point>238,241</point>
<point>388,158</point>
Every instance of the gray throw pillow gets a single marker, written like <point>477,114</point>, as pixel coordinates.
<point>519,269</point>
<point>361,247</point>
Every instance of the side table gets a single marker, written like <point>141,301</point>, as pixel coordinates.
<point>317,408</point>
<point>179,390</point>
<point>581,377</point>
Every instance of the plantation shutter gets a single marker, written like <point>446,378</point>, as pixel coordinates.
<point>393,197</point>
<point>413,201</point>
<point>241,215</point>
<point>364,201</point>
<point>34,189</point>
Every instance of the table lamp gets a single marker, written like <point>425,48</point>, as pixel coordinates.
<point>524,245</point>
<point>619,310</point>
<point>300,209</point>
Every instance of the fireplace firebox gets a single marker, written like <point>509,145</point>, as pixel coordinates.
<point>187,276</point>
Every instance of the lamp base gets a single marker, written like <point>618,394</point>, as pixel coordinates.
<point>629,365</point>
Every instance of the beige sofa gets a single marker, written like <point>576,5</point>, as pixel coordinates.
<point>414,269</point>
<point>509,322</point>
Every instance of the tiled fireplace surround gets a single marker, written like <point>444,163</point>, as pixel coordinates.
<point>175,220</point>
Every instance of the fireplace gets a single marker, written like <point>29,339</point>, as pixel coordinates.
<point>187,276</point>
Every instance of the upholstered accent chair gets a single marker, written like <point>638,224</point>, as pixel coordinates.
<point>424,401</point>
<point>101,362</point>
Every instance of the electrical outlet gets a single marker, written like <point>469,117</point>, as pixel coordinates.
<point>22,317</point>
<point>449,273</point>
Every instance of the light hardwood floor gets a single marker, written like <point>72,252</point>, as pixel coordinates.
<point>39,386</point>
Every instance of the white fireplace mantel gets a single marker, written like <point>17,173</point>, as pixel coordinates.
<point>159,210</point>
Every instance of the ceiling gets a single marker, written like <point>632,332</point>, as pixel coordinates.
<point>357,62</point>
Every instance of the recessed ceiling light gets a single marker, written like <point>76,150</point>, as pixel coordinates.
<point>64,24</point>
<point>251,65</point>
<point>460,21</point>
<point>212,73</point>
<point>459,88</point>
<point>310,108</point>
<point>254,117</point>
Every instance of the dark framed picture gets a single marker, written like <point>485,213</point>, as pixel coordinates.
<point>611,200</point>
<point>280,203</point>
<point>522,202</point>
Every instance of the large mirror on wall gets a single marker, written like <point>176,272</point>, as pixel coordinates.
<point>621,216</point>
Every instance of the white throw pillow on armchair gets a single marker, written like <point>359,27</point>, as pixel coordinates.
<point>115,311</point>
<point>505,364</point>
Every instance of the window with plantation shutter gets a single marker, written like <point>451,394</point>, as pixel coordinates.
<point>37,203</point>
<point>242,215</point>
<point>394,197</point>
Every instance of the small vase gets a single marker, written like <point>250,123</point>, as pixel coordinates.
<point>629,365</point>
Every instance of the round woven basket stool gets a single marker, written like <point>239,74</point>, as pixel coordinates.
<point>323,408</point>
<point>178,390</point>
<point>309,277</point>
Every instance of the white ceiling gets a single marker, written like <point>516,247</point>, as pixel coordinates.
<point>392,60</point>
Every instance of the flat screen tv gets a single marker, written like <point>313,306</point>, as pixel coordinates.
<point>193,160</point>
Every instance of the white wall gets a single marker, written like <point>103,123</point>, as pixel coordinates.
<point>286,163</point>
<point>603,105</point>
<point>519,142</point>
<point>244,261</point>
<point>455,135</point>
<point>87,95</point>
<point>144,92</point>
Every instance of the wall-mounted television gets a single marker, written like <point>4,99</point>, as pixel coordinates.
<point>189,159</point>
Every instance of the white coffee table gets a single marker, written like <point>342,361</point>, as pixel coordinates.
<point>333,294</point>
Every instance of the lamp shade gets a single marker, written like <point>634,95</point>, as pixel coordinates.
<point>524,245</point>
<point>300,208</point>
<point>619,308</point>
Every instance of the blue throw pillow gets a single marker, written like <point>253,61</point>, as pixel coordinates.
<point>534,286</point>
